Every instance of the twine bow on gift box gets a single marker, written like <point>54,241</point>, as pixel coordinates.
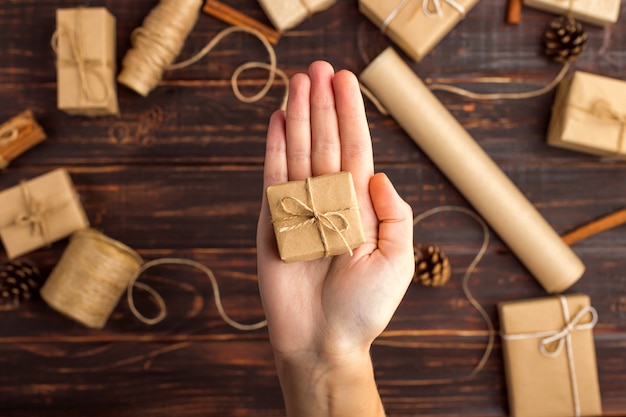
<point>563,338</point>
<point>308,214</point>
<point>35,214</point>
<point>84,66</point>
<point>426,8</point>
<point>602,109</point>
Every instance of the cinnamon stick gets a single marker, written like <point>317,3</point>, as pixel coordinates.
<point>514,12</point>
<point>597,226</point>
<point>234,17</point>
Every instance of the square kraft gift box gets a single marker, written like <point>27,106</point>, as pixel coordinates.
<point>315,218</point>
<point>549,357</point>
<point>416,26</point>
<point>589,115</point>
<point>85,47</point>
<point>286,14</point>
<point>596,12</point>
<point>39,212</point>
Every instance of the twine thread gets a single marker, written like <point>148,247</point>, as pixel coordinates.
<point>425,8</point>
<point>603,110</point>
<point>11,130</point>
<point>308,214</point>
<point>563,337</point>
<point>466,290</point>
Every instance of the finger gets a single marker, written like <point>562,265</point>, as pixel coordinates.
<point>325,146</point>
<point>356,144</point>
<point>275,166</point>
<point>395,232</point>
<point>298,128</point>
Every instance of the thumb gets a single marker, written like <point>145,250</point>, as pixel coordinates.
<point>395,230</point>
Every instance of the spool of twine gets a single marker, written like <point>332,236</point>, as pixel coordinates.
<point>157,43</point>
<point>90,278</point>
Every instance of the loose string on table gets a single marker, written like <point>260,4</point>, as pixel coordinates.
<point>308,214</point>
<point>563,337</point>
<point>466,290</point>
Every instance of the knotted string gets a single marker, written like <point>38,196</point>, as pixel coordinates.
<point>425,8</point>
<point>11,130</point>
<point>602,109</point>
<point>563,337</point>
<point>308,214</point>
<point>34,214</point>
<point>78,60</point>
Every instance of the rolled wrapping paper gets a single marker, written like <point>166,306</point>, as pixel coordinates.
<point>473,172</point>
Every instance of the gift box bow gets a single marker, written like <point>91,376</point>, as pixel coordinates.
<point>307,214</point>
<point>563,339</point>
<point>602,110</point>
<point>426,8</point>
<point>35,213</point>
<point>85,66</point>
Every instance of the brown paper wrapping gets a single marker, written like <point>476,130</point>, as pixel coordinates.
<point>596,12</point>
<point>473,172</point>
<point>411,28</point>
<point>85,46</point>
<point>540,384</point>
<point>589,115</point>
<point>286,14</point>
<point>17,135</point>
<point>39,212</point>
<point>299,233</point>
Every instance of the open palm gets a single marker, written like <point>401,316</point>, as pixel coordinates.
<point>332,306</point>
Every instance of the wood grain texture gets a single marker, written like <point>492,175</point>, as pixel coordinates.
<point>179,173</point>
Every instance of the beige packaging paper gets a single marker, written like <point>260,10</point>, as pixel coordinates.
<point>589,115</point>
<point>39,212</point>
<point>473,172</point>
<point>315,218</point>
<point>17,135</point>
<point>417,26</point>
<point>549,357</point>
<point>287,14</point>
<point>595,12</point>
<point>85,47</point>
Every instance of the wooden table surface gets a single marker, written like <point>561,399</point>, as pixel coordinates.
<point>179,173</point>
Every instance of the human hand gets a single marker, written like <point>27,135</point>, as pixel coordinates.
<point>332,307</point>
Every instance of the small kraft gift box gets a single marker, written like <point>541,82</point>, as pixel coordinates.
<point>38,212</point>
<point>595,12</point>
<point>549,357</point>
<point>316,218</point>
<point>589,115</point>
<point>84,42</point>
<point>17,135</point>
<point>286,14</point>
<point>416,26</point>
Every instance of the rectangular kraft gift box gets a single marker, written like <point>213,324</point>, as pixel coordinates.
<point>416,32</point>
<point>299,232</point>
<point>38,212</point>
<point>589,115</point>
<point>595,12</point>
<point>17,135</point>
<point>286,14</point>
<point>539,383</point>
<point>87,36</point>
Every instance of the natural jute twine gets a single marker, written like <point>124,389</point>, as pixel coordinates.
<point>90,277</point>
<point>158,42</point>
<point>94,272</point>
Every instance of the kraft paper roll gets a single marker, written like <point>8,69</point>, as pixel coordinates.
<point>473,172</point>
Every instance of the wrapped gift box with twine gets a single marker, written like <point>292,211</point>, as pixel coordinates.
<point>18,135</point>
<point>84,42</point>
<point>549,357</point>
<point>39,212</point>
<point>286,14</point>
<point>589,115</point>
<point>596,12</point>
<point>316,218</point>
<point>416,26</point>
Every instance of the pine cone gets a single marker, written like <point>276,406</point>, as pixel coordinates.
<point>564,40</point>
<point>432,267</point>
<point>18,280</point>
